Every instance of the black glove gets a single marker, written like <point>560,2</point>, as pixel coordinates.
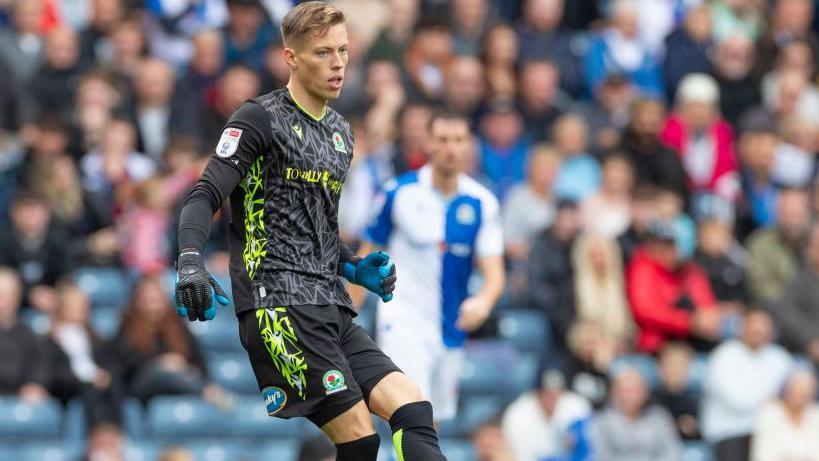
<point>197,292</point>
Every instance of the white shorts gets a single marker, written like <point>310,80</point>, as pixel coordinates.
<point>432,366</point>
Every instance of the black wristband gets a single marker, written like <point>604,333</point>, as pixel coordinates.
<point>190,257</point>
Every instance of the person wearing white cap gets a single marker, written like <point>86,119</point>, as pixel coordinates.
<point>703,139</point>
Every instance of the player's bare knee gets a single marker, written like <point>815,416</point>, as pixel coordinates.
<point>391,393</point>
<point>353,424</point>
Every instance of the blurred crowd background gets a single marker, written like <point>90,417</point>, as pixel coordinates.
<point>655,161</point>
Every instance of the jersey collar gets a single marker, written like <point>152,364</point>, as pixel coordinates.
<point>306,112</point>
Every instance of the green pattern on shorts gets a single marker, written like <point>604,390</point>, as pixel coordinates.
<point>282,344</point>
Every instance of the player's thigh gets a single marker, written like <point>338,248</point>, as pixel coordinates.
<point>295,351</point>
<point>353,424</point>
<point>391,393</point>
<point>445,377</point>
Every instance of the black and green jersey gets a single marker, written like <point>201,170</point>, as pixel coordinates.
<point>283,169</point>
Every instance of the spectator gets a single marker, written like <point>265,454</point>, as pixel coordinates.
<point>489,442</point>
<point>81,214</point>
<point>737,17</point>
<point>739,88</point>
<point>757,149</point>
<point>795,160</point>
<point>392,41</point>
<point>34,247</point>
<point>53,86</point>
<point>81,365</point>
<point>540,98</point>
<point>643,212</point>
<point>741,376</point>
<point>95,100</point>
<point>234,87</point>
<point>591,352</point>
<point>670,207</point>
<point>631,427</point>
<point>797,313</point>
<point>723,259</point>
<point>687,48</point>
<point>617,50</point>
<point>106,441</point>
<point>703,140</point>
<point>95,43</point>
<point>795,58</point>
<point>153,115</point>
<point>787,428</point>
<point>156,351</point>
<point>425,60</point>
<point>21,45</point>
<point>317,448</point>
<point>276,73</point>
<point>608,211</point>
<point>791,94</point>
<point>541,37</point>
<point>529,208</point>
<point>176,454</point>
<point>145,227</point>
<point>775,254</point>
<point>791,21</point>
<point>551,279</point>
<point>609,113</point>
<point>127,51</point>
<point>464,86</point>
<point>412,126</point>
<point>654,164</point>
<point>24,370</point>
<point>599,290</point>
<point>504,149</point>
<point>536,423</point>
<point>673,393</point>
<point>501,48</point>
<point>469,23</point>
<point>669,298</point>
<point>50,142</point>
<point>245,38</point>
<point>579,175</point>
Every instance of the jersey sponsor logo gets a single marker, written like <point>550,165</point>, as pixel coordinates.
<point>338,142</point>
<point>314,176</point>
<point>297,129</point>
<point>334,382</point>
<point>228,142</point>
<point>274,399</point>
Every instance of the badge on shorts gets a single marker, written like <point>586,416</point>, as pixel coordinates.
<point>333,381</point>
<point>274,399</point>
<point>229,142</point>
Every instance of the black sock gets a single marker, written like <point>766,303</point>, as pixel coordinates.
<point>413,434</point>
<point>363,449</point>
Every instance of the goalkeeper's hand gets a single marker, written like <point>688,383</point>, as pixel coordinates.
<point>374,272</point>
<point>197,292</point>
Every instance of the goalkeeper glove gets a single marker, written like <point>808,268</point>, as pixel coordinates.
<point>375,272</point>
<point>197,292</point>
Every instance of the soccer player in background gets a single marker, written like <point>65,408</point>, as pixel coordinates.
<point>282,159</point>
<point>437,223</point>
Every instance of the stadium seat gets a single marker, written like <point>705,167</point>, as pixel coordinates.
<point>696,372</point>
<point>36,320</point>
<point>218,450</point>
<point>457,450</point>
<point>74,426</point>
<point>21,420</point>
<point>697,451</point>
<point>220,334</point>
<point>280,450</point>
<point>105,287</point>
<point>644,364</point>
<point>233,372</point>
<point>527,330</point>
<point>174,417</point>
<point>55,451</point>
<point>250,420</point>
<point>105,321</point>
<point>143,451</point>
<point>525,371</point>
<point>488,368</point>
<point>132,418</point>
<point>476,410</point>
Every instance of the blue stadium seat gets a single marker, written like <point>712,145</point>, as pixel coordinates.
<point>56,451</point>
<point>250,420</point>
<point>697,451</point>
<point>488,368</point>
<point>145,450</point>
<point>217,450</point>
<point>525,372</point>
<point>280,450</point>
<point>105,321</point>
<point>132,418</point>
<point>75,430</point>
<point>36,320</point>
<point>105,287</point>
<point>174,417</point>
<point>233,372</point>
<point>696,372</point>
<point>527,330</point>
<point>9,450</point>
<point>220,334</point>
<point>19,419</point>
<point>457,450</point>
<point>644,364</point>
<point>475,410</point>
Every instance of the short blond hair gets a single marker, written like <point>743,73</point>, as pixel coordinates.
<point>309,18</point>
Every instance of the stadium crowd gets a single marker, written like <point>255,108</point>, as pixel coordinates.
<point>655,161</point>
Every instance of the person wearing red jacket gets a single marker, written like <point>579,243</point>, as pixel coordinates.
<point>669,298</point>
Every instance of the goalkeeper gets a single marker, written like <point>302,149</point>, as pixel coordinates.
<point>281,160</point>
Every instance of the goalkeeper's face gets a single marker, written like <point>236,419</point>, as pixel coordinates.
<point>319,61</point>
<point>448,145</point>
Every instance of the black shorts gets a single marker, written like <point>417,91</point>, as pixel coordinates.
<point>311,361</point>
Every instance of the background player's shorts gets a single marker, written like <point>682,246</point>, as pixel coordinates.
<point>311,361</point>
<point>432,366</point>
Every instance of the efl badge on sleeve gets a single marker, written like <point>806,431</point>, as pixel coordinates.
<point>229,142</point>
